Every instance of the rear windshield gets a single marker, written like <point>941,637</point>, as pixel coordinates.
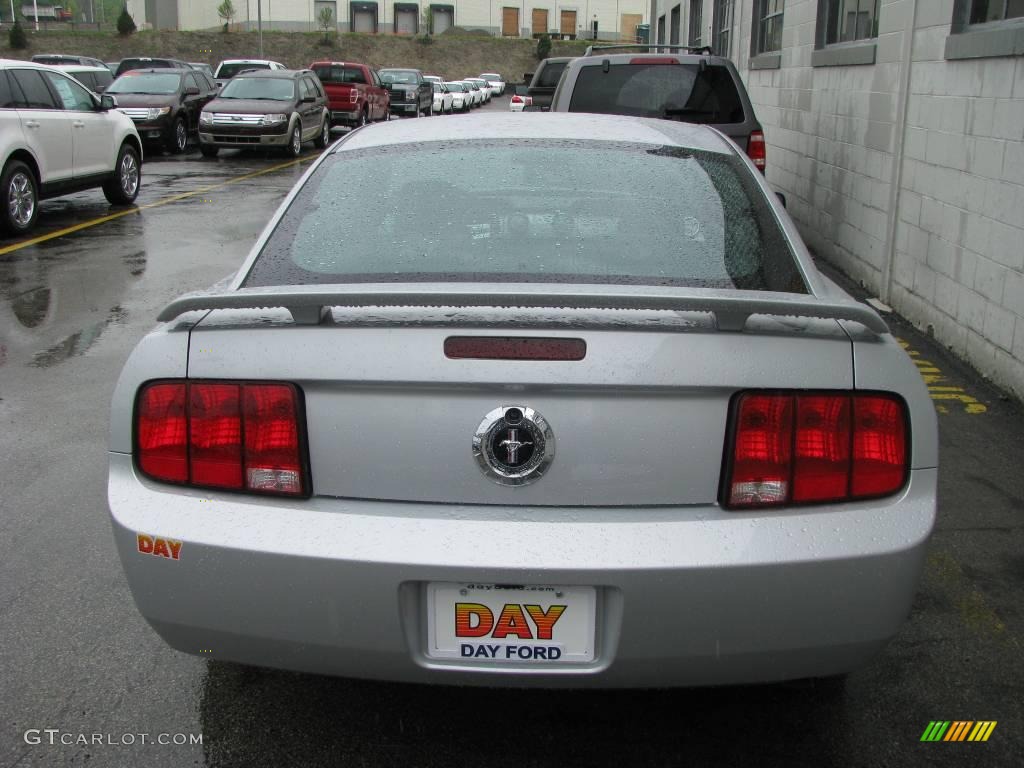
<point>457,87</point>
<point>227,71</point>
<point>684,92</point>
<point>127,65</point>
<point>614,213</point>
<point>548,77</point>
<point>336,74</point>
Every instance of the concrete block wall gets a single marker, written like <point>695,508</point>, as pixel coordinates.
<point>952,232</point>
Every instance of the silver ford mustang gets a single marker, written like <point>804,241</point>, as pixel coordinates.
<point>586,416</point>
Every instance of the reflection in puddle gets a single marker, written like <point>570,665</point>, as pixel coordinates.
<point>77,343</point>
<point>31,307</point>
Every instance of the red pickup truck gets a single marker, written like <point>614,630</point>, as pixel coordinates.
<point>355,94</point>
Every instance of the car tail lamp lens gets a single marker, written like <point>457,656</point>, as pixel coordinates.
<point>228,435</point>
<point>799,448</point>
<point>517,99</point>
<point>353,95</point>
<point>756,150</point>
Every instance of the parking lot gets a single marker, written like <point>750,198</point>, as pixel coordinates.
<point>76,298</point>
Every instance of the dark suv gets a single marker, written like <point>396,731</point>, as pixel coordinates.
<point>164,103</point>
<point>691,86</point>
<point>267,108</point>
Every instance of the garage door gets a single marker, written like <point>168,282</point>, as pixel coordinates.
<point>364,21</point>
<point>442,20</point>
<point>569,23</point>
<point>629,25</point>
<point>510,22</point>
<point>405,22</point>
<point>540,21</point>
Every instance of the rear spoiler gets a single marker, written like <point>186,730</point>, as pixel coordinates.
<point>698,49</point>
<point>308,304</point>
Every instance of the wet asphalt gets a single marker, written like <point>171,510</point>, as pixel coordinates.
<point>76,656</point>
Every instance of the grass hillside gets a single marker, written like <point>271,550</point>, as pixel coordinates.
<point>451,55</point>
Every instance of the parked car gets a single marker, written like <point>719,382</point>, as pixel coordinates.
<point>433,78</point>
<point>280,108</point>
<point>57,137</point>
<point>461,97</point>
<point>496,81</point>
<point>485,89</point>
<point>355,94</point>
<point>146,62</point>
<point>475,93</point>
<point>543,81</point>
<point>164,103</point>
<point>443,100</point>
<point>59,59</point>
<point>692,88</point>
<point>440,433</point>
<point>410,93</point>
<point>96,79</point>
<point>228,68</point>
<point>112,66</point>
<point>520,99</point>
<point>203,67</point>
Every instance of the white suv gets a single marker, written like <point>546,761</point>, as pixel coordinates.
<point>58,137</point>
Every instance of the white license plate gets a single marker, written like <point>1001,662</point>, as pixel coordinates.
<point>510,624</point>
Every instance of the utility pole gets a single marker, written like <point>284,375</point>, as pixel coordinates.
<point>35,9</point>
<point>259,23</point>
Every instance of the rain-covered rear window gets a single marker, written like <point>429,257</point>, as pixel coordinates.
<point>686,92</point>
<point>530,211</point>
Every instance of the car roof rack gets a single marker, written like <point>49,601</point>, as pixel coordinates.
<point>309,304</point>
<point>703,50</point>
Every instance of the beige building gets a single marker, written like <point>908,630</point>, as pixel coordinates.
<point>608,19</point>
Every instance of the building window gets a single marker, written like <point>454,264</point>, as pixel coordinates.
<point>674,25</point>
<point>722,42</point>
<point>696,8</point>
<point>983,11</point>
<point>848,20</point>
<point>661,30</point>
<point>767,26</point>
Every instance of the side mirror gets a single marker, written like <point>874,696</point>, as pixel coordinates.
<point>191,91</point>
<point>782,198</point>
<point>107,103</point>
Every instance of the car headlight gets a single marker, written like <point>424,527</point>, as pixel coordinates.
<point>273,119</point>
<point>155,112</point>
<point>205,118</point>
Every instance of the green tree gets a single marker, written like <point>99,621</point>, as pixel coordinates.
<point>543,47</point>
<point>326,21</point>
<point>125,22</point>
<point>17,38</point>
<point>226,11</point>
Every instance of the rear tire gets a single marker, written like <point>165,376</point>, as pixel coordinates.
<point>123,188</point>
<point>209,150</point>
<point>20,198</point>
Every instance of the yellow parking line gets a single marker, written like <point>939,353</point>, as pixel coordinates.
<point>934,377</point>
<point>172,199</point>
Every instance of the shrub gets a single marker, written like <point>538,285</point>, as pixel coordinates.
<point>17,38</point>
<point>543,47</point>
<point>125,22</point>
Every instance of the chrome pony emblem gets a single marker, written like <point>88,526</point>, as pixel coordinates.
<point>514,445</point>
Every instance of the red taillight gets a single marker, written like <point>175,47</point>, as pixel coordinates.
<point>653,60</point>
<point>161,432</point>
<point>236,436</point>
<point>353,95</point>
<point>756,149</point>
<point>796,448</point>
<point>517,99</point>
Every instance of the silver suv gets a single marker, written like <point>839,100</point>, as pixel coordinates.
<point>690,86</point>
<point>58,137</point>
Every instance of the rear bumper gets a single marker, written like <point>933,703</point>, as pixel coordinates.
<point>344,117</point>
<point>686,596</point>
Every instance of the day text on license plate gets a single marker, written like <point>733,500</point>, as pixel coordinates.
<point>504,623</point>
